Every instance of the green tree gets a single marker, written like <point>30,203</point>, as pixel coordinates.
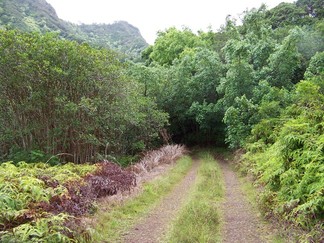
<point>288,14</point>
<point>313,7</point>
<point>311,41</point>
<point>239,120</point>
<point>58,96</point>
<point>170,43</point>
<point>192,79</point>
<point>316,67</point>
<point>239,81</point>
<point>284,67</point>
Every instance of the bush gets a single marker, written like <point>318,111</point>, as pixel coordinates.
<point>292,167</point>
<point>59,96</point>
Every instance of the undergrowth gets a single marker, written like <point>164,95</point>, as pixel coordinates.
<point>290,168</point>
<point>23,188</point>
<point>199,220</point>
<point>44,203</point>
<point>41,203</point>
<point>110,224</point>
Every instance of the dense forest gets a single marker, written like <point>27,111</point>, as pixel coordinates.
<point>256,86</point>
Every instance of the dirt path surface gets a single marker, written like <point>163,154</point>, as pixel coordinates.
<point>240,221</point>
<point>153,227</point>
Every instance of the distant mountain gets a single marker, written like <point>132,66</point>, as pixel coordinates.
<point>119,35</point>
<point>40,16</point>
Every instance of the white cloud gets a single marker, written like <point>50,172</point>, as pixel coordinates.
<point>152,16</point>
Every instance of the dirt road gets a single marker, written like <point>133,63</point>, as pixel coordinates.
<point>153,227</point>
<point>241,223</point>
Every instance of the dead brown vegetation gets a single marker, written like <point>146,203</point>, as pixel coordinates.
<point>165,155</point>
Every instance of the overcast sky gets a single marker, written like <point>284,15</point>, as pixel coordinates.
<point>151,16</point>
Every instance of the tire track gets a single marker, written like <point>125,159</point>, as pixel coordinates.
<point>153,227</point>
<point>240,221</point>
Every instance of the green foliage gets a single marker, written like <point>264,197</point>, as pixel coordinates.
<point>207,115</point>
<point>239,81</point>
<point>32,16</point>
<point>284,62</point>
<point>62,97</point>
<point>242,84</point>
<point>38,203</point>
<point>204,76</point>
<point>120,36</point>
<point>288,14</point>
<point>41,230</point>
<point>291,168</point>
<point>16,155</point>
<point>316,69</point>
<point>24,185</point>
<point>310,42</point>
<point>152,80</point>
<point>239,120</point>
<point>40,16</point>
<point>171,43</point>
<point>184,90</point>
<point>313,7</point>
<point>194,80</point>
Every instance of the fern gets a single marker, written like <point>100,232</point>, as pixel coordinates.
<point>292,167</point>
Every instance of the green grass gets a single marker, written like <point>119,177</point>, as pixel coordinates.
<point>110,225</point>
<point>199,220</point>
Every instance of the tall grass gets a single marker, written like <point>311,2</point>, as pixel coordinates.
<point>112,223</point>
<point>199,221</point>
<point>165,155</point>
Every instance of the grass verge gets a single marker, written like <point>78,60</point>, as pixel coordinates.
<point>110,225</point>
<point>199,220</point>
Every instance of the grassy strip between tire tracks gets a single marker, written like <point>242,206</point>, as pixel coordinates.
<point>111,224</point>
<point>200,219</point>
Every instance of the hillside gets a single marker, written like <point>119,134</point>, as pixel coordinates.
<point>119,35</point>
<point>40,16</point>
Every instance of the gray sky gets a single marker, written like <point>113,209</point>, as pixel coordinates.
<point>151,16</point>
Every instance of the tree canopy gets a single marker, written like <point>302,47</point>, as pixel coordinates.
<point>59,96</point>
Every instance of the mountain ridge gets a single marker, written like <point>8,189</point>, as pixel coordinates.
<point>40,16</point>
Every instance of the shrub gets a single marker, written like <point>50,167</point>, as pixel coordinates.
<point>291,167</point>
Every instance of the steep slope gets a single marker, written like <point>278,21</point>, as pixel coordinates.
<point>40,16</point>
<point>119,35</point>
<point>31,15</point>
